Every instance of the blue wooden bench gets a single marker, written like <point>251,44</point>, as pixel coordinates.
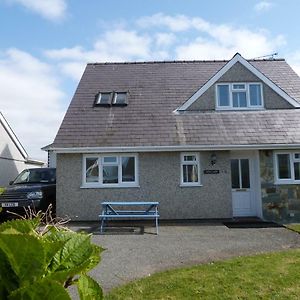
<point>118,210</point>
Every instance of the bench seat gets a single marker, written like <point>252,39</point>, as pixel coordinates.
<point>129,216</point>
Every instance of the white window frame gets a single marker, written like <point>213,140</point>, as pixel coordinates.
<point>231,90</point>
<point>183,162</point>
<point>101,163</point>
<point>292,160</point>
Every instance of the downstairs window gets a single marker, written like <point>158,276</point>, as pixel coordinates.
<point>190,169</point>
<point>287,167</point>
<point>110,170</point>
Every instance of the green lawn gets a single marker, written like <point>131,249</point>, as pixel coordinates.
<point>1,190</point>
<point>294,227</point>
<point>268,276</point>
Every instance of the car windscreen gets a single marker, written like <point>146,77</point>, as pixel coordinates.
<point>36,176</point>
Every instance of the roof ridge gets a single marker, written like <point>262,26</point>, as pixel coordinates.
<point>177,61</point>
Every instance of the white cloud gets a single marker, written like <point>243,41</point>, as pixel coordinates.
<point>263,6</point>
<point>49,9</point>
<point>30,99</point>
<point>114,45</point>
<point>294,60</point>
<point>163,37</point>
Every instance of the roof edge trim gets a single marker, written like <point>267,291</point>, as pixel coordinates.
<point>237,58</point>
<point>173,148</point>
<point>13,136</point>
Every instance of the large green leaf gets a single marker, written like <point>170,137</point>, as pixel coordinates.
<point>75,252</point>
<point>8,279</point>
<point>20,226</point>
<point>86,265</point>
<point>44,289</point>
<point>89,289</point>
<point>25,254</point>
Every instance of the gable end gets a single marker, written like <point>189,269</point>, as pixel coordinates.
<point>237,59</point>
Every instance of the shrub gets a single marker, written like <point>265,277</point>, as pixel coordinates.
<point>40,261</point>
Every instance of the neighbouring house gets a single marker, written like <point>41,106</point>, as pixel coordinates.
<point>13,157</point>
<point>207,139</point>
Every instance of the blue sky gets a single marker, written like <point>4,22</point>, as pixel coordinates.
<point>45,45</point>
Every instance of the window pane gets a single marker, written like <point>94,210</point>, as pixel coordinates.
<point>190,173</point>
<point>120,98</point>
<point>245,173</point>
<point>223,94</point>
<point>190,158</point>
<point>92,170</point>
<point>255,94</point>
<point>284,168</point>
<point>235,177</point>
<point>110,174</point>
<point>128,169</point>
<point>297,170</point>
<point>110,159</point>
<point>297,155</point>
<point>104,98</point>
<point>239,99</point>
<point>238,86</point>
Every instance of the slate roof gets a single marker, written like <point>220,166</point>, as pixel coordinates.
<point>155,90</point>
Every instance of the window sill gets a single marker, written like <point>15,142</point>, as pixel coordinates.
<point>239,108</point>
<point>287,182</point>
<point>94,186</point>
<point>191,185</point>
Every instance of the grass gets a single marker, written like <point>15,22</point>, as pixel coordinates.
<point>267,276</point>
<point>1,190</point>
<point>294,227</point>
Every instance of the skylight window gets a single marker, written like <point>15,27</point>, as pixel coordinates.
<point>119,98</point>
<point>103,99</point>
<point>111,98</point>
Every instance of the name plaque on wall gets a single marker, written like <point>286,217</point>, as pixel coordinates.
<point>211,171</point>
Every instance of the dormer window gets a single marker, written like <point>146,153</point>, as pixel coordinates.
<point>111,99</point>
<point>239,96</point>
<point>119,98</point>
<point>103,99</point>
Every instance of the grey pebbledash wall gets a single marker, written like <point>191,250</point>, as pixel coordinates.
<point>238,73</point>
<point>159,180</point>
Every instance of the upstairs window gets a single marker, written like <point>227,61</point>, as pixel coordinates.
<point>239,95</point>
<point>119,98</point>
<point>103,99</point>
<point>111,98</point>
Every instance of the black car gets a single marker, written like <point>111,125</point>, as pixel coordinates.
<point>34,188</point>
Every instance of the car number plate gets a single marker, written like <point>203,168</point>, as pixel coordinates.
<point>10,204</point>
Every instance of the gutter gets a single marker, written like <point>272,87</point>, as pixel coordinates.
<point>171,148</point>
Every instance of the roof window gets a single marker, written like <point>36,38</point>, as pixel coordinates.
<point>111,98</point>
<point>119,98</point>
<point>103,99</point>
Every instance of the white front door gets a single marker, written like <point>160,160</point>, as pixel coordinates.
<point>243,185</point>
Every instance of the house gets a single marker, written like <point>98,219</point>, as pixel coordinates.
<point>207,139</point>
<point>13,157</point>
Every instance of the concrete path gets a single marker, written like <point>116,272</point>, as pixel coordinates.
<point>130,255</point>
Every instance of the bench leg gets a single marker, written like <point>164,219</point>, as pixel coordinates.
<point>156,224</point>
<point>102,224</point>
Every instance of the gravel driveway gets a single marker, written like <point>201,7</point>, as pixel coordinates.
<point>131,255</point>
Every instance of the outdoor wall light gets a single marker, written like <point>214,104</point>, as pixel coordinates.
<point>213,159</point>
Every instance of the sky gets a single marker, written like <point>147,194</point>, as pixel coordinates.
<point>45,45</point>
